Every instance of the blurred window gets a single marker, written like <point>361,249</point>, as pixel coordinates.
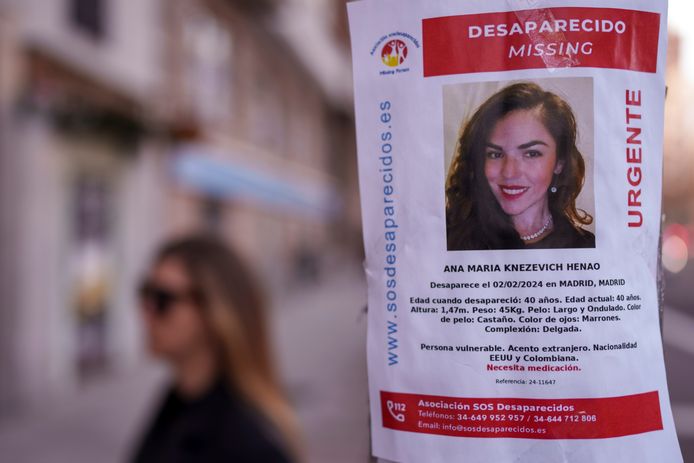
<point>213,215</point>
<point>89,16</point>
<point>267,111</point>
<point>207,43</point>
<point>91,280</point>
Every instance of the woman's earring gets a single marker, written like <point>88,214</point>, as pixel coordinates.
<point>553,189</point>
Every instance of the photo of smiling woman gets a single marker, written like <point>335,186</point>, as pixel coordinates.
<point>515,175</point>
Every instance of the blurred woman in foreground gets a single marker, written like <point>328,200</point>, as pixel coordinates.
<point>204,315</point>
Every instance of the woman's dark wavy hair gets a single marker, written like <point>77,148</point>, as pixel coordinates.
<point>474,218</point>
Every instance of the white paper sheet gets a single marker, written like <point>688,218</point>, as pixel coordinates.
<point>510,162</point>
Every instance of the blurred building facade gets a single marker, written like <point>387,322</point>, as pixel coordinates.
<point>124,122</point>
<point>679,144</point>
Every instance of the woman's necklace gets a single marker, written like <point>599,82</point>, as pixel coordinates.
<point>540,232</point>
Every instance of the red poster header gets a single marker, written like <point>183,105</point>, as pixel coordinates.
<point>534,39</point>
<point>597,418</point>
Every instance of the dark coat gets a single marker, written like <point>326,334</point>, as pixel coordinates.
<point>215,428</point>
<point>565,236</point>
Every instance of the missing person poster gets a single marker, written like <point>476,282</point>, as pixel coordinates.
<point>510,164</point>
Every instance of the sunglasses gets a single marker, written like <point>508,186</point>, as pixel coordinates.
<point>161,299</point>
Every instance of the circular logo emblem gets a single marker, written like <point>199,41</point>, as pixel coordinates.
<point>394,53</point>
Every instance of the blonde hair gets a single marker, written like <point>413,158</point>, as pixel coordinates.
<point>234,308</point>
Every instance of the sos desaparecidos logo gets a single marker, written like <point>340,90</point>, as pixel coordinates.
<point>395,52</point>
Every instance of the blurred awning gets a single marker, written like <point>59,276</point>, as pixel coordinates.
<point>200,168</point>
